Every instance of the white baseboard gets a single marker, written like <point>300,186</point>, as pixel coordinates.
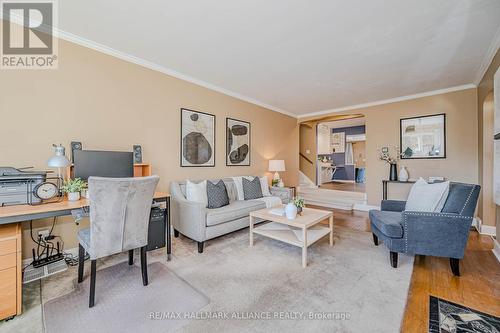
<point>496,249</point>
<point>483,229</point>
<point>364,207</point>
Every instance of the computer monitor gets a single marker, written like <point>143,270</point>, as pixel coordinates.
<point>113,164</point>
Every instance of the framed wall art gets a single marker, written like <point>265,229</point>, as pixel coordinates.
<point>197,139</point>
<point>423,137</point>
<point>237,142</point>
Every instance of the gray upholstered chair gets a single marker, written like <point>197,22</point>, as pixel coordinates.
<point>442,234</point>
<point>119,218</point>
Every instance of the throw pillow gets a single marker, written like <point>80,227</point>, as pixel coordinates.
<point>425,197</point>
<point>217,195</point>
<point>197,192</point>
<point>252,189</point>
<point>264,184</point>
<point>239,187</point>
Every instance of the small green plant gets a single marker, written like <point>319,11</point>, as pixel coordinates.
<point>298,202</point>
<point>73,185</point>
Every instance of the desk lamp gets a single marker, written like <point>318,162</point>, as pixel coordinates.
<point>59,160</point>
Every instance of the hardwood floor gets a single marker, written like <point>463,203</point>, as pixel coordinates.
<point>478,286</point>
<point>352,187</point>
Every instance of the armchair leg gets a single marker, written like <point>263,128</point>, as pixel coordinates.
<point>93,267</point>
<point>375,239</point>
<point>200,247</point>
<point>176,233</point>
<point>81,261</point>
<point>455,266</point>
<point>130,257</point>
<point>394,259</point>
<point>144,266</point>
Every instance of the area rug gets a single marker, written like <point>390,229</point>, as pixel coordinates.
<point>448,317</point>
<point>123,304</point>
<point>350,287</point>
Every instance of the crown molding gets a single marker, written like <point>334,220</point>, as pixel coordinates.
<point>67,36</point>
<point>390,100</point>
<point>488,57</point>
<point>158,68</point>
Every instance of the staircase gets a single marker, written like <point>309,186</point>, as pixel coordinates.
<point>313,195</point>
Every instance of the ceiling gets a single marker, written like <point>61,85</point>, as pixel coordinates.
<point>294,56</point>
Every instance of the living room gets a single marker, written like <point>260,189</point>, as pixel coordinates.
<point>220,117</point>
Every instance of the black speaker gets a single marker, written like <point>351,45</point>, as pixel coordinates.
<point>157,228</point>
<point>75,145</point>
<point>137,154</point>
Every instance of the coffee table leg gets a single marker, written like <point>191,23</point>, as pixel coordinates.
<point>331,230</point>
<point>251,230</point>
<point>304,247</point>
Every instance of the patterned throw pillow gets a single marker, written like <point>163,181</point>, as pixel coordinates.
<point>217,195</point>
<point>252,189</point>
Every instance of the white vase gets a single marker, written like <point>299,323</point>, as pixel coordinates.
<point>403,174</point>
<point>291,211</point>
<point>75,196</point>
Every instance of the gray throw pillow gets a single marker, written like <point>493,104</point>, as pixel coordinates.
<point>217,195</point>
<point>252,189</point>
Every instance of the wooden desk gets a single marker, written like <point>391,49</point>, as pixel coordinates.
<point>20,213</point>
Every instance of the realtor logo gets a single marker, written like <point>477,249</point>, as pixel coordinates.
<point>28,35</point>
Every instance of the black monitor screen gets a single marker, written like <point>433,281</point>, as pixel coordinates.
<point>113,164</point>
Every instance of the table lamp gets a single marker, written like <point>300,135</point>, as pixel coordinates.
<point>277,166</point>
<point>59,160</point>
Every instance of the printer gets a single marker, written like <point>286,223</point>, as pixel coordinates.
<point>16,186</point>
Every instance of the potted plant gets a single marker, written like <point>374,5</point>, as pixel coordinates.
<point>299,203</point>
<point>73,187</point>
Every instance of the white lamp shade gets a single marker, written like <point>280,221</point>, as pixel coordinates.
<point>58,162</point>
<point>276,165</point>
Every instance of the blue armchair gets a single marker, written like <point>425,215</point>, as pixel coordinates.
<point>442,234</point>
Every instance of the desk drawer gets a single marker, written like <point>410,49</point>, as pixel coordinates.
<point>7,246</point>
<point>8,261</point>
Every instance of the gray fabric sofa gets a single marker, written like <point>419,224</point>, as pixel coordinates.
<point>442,234</point>
<point>195,221</point>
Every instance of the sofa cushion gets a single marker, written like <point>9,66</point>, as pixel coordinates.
<point>235,210</point>
<point>217,194</point>
<point>252,189</point>
<point>389,223</point>
<point>426,197</point>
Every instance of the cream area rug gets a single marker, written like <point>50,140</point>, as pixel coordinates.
<point>349,287</point>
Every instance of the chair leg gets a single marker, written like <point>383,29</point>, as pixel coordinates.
<point>200,247</point>
<point>455,266</point>
<point>131,257</point>
<point>92,282</point>
<point>394,259</point>
<point>375,239</point>
<point>176,233</point>
<point>144,266</point>
<point>81,262</point>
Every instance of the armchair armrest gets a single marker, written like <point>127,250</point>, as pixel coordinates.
<point>436,234</point>
<point>393,205</point>
<point>188,217</point>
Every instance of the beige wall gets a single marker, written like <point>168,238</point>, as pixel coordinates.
<point>382,129</point>
<point>308,143</point>
<point>487,208</point>
<point>111,104</point>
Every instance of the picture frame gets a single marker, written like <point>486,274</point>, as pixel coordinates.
<point>238,142</point>
<point>197,144</point>
<point>423,137</point>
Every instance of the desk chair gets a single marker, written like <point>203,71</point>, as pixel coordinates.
<point>119,217</point>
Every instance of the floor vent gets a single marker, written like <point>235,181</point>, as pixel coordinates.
<point>32,274</point>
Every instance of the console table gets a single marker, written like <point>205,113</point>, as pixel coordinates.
<point>385,182</point>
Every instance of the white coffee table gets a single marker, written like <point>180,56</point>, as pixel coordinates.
<point>303,231</point>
